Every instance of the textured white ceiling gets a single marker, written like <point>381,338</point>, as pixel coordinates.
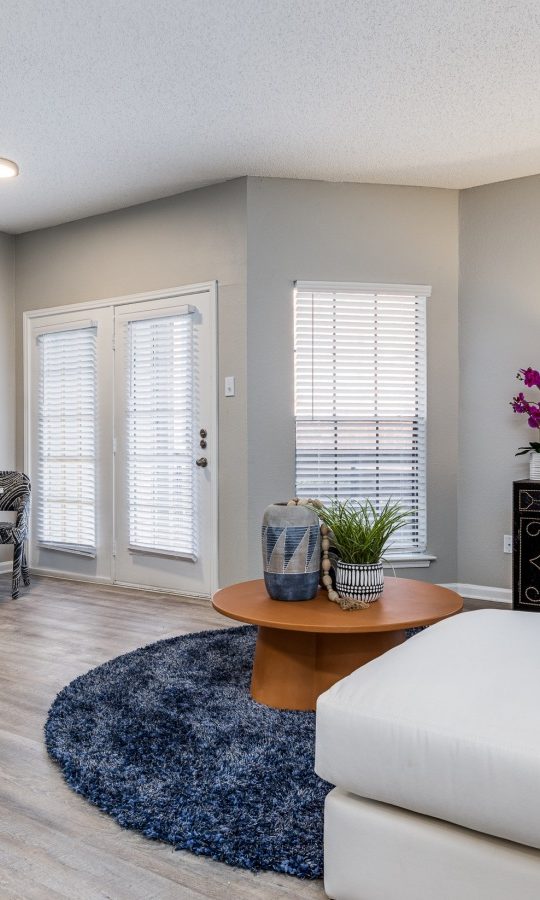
<point>107,103</point>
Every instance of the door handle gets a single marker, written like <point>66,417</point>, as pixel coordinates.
<point>202,462</point>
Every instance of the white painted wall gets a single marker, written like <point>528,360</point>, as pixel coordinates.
<point>318,231</point>
<point>499,312</point>
<point>7,361</point>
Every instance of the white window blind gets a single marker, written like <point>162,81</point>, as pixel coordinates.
<point>162,487</point>
<point>67,440</point>
<point>360,397</point>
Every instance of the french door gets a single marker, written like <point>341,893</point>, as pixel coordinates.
<point>165,444</point>
<point>121,442</point>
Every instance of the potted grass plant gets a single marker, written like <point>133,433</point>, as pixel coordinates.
<point>360,534</point>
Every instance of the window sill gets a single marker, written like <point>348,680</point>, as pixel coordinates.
<point>409,561</point>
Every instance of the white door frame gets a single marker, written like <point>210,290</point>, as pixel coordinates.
<point>165,294</point>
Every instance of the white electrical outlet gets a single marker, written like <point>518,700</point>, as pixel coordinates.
<point>507,543</point>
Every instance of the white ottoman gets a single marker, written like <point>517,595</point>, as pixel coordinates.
<point>446,725</point>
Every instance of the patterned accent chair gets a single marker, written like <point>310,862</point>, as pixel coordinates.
<point>15,496</point>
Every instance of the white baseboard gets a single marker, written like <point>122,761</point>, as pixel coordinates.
<point>69,576</point>
<point>158,590</point>
<point>102,580</point>
<point>468,591</point>
<point>482,592</point>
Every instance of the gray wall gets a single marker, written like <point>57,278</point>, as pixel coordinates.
<point>194,237</point>
<point>256,237</point>
<point>7,360</point>
<point>499,333</point>
<point>260,235</point>
<point>312,230</point>
<point>7,355</point>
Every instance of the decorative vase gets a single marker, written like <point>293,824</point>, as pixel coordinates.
<point>534,464</point>
<point>363,583</point>
<point>291,546</point>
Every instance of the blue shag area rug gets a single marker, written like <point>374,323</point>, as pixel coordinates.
<point>168,741</point>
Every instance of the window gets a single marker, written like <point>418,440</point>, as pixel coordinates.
<point>160,441</point>
<point>360,398</point>
<point>66,440</point>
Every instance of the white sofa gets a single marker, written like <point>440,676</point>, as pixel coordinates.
<point>434,749</point>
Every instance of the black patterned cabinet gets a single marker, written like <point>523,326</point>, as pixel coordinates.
<point>526,545</point>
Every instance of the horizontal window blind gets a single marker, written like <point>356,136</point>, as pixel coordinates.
<point>162,487</point>
<point>360,401</point>
<point>67,440</point>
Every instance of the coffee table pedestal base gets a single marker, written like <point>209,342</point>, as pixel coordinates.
<point>291,668</point>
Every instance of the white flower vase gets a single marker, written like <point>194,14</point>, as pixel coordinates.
<point>534,464</point>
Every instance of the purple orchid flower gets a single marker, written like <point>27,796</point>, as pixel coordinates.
<point>520,405</point>
<point>531,377</point>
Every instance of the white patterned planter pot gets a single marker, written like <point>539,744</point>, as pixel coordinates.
<point>534,466</point>
<point>361,582</point>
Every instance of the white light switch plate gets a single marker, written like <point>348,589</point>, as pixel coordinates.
<point>229,386</point>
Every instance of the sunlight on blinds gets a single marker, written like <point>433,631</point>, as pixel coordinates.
<point>360,399</point>
<point>162,487</point>
<point>67,440</point>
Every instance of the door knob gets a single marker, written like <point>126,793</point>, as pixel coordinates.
<point>202,462</point>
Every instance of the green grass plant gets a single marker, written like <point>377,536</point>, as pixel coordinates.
<point>360,532</point>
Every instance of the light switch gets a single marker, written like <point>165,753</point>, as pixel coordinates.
<point>229,386</point>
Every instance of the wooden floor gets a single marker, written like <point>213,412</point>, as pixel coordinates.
<point>53,844</point>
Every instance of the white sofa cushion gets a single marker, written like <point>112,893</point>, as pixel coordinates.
<point>447,724</point>
<point>374,851</point>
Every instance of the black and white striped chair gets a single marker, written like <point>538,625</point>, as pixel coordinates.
<point>15,497</point>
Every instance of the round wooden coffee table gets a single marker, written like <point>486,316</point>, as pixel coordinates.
<point>304,647</point>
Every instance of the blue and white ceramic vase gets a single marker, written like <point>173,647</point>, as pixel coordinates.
<point>291,545</point>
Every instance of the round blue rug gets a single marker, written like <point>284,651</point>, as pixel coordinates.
<point>168,741</point>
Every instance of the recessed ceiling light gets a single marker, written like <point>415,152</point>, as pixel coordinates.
<point>8,168</point>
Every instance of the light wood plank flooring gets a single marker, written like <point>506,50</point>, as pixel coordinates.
<point>53,844</point>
